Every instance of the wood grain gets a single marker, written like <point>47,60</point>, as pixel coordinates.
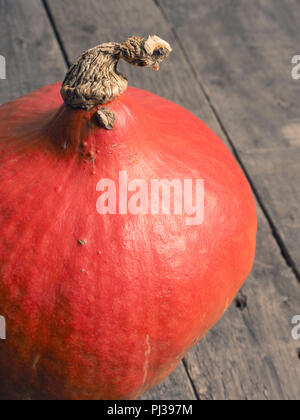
<point>33,57</point>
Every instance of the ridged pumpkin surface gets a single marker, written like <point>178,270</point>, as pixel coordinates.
<point>105,306</point>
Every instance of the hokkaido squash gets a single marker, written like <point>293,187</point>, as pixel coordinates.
<point>127,228</point>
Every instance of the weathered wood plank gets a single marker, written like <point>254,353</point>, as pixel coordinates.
<point>249,354</point>
<point>33,58</point>
<point>242,51</point>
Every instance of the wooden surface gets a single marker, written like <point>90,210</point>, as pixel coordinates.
<point>230,67</point>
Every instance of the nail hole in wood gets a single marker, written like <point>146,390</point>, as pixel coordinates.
<point>241,302</point>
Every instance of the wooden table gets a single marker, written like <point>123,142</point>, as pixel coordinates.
<point>231,66</point>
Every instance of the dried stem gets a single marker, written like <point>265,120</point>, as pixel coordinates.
<point>94,80</point>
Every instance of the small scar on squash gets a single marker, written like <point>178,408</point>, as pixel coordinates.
<point>81,242</point>
<point>36,361</point>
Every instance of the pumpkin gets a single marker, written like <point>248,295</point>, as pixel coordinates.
<point>103,287</point>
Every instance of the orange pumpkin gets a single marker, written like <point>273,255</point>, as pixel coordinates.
<point>103,297</point>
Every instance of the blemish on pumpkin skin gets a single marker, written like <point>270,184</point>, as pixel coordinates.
<point>147,358</point>
<point>36,361</point>
<point>227,304</point>
<point>179,357</point>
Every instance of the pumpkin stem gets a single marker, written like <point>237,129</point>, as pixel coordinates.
<point>93,79</point>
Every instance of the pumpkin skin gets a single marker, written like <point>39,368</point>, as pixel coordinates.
<point>112,318</point>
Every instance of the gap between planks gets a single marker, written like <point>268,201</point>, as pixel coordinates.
<point>56,33</point>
